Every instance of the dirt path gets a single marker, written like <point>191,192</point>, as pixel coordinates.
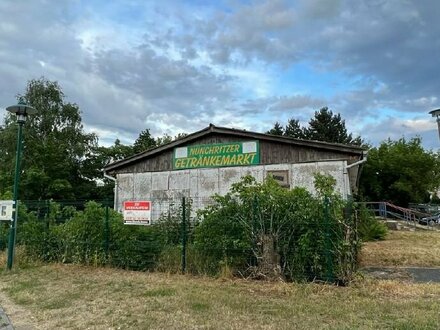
<point>20,318</point>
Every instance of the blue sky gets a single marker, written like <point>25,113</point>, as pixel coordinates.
<point>176,66</point>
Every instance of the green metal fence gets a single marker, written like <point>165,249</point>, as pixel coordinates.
<point>183,238</point>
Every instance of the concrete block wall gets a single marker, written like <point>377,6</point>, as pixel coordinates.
<point>163,188</point>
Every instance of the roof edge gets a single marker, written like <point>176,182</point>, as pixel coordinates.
<point>238,132</point>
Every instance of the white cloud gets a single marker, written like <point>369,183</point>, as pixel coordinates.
<point>174,67</point>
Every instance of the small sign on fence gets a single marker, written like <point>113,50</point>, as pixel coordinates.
<point>137,213</point>
<point>6,208</point>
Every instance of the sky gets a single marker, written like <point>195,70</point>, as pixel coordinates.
<point>177,66</point>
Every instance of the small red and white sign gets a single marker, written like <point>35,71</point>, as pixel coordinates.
<point>137,213</point>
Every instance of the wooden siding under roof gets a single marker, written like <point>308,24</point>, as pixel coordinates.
<point>273,150</point>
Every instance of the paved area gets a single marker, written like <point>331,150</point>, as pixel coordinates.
<point>5,323</point>
<point>415,274</point>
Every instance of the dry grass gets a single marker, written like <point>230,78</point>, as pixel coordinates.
<point>75,297</point>
<point>403,248</point>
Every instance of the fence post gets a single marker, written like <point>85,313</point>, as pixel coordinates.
<point>107,233</point>
<point>327,242</point>
<point>254,231</point>
<point>46,234</point>
<point>183,235</point>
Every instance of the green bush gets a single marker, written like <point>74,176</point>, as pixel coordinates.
<point>370,228</point>
<point>268,231</point>
<point>134,247</point>
<point>82,238</point>
<point>259,230</point>
<point>170,259</point>
<point>222,238</point>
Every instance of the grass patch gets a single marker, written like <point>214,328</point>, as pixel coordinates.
<point>160,292</point>
<point>200,307</point>
<point>403,248</point>
<point>69,296</point>
<point>78,297</point>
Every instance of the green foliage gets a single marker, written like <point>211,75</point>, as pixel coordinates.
<point>435,199</point>
<point>163,140</point>
<point>257,229</point>
<point>170,224</point>
<point>63,234</point>
<point>293,129</point>
<point>401,172</point>
<point>236,229</point>
<point>324,126</point>
<point>329,127</point>
<point>370,228</point>
<point>144,142</point>
<point>221,237</point>
<point>134,247</point>
<point>60,160</point>
<point>170,259</point>
<point>54,146</point>
<point>276,130</point>
<point>324,184</point>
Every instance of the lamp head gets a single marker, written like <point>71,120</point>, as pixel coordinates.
<point>21,110</point>
<point>435,113</point>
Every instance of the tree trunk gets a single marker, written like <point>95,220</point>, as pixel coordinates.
<point>269,265</point>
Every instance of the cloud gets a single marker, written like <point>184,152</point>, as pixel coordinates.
<point>175,66</point>
<point>297,102</point>
<point>399,128</point>
<point>394,43</point>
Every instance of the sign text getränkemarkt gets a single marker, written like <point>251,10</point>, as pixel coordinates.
<point>217,155</point>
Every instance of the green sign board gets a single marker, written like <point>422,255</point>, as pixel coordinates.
<point>217,155</point>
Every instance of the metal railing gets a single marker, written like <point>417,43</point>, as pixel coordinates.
<point>388,210</point>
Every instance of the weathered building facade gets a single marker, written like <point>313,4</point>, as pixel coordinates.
<point>211,160</point>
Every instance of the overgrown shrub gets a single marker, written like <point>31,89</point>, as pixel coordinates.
<point>82,237</point>
<point>222,238</point>
<point>266,231</point>
<point>370,228</point>
<point>259,230</point>
<point>134,247</point>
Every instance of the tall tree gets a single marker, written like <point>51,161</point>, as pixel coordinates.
<point>54,148</point>
<point>144,142</point>
<point>276,130</point>
<point>329,127</point>
<point>293,129</point>
<point>163,140</point>
<point>96,160</point>
<point>401,172</point>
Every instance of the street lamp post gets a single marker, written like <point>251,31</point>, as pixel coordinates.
<point>21,110</point>
<point>436,113</point>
